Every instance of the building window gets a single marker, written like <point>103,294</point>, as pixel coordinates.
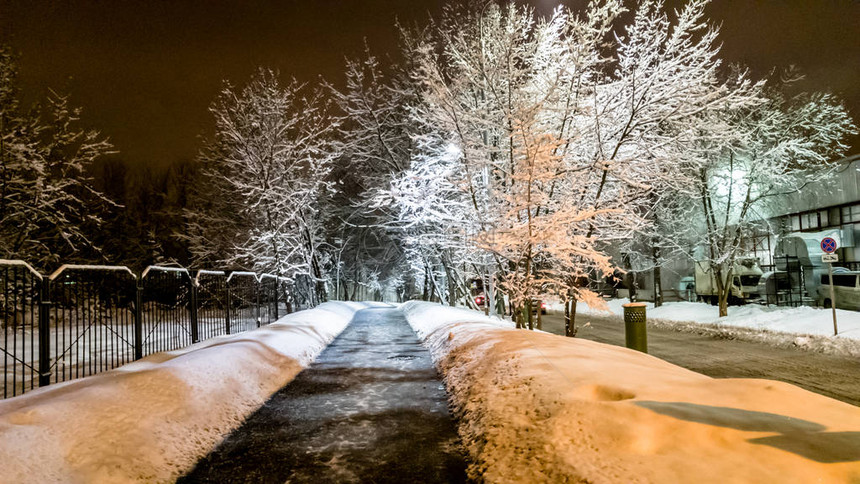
<point>822,218</point>
<point>795,223</point>
<point>851,214</point>
<point>834,215</point>
<point>809,221</point>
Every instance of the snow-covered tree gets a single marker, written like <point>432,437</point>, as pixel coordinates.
<point>757,154</point>
<point>263,172</point>
<point>544,140</point>
<point>480,72</point>
<point>49,208</point>
<point>373,139</point>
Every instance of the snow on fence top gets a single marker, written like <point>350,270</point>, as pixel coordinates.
<point>20,263</point>
<point>164,269</point>
<point>242,274</point>
<point>86,267</point>
<point>67,267</point>
<point>259,277</point>
<point>205,272</point>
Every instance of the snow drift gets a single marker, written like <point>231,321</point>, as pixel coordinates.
<point>150,421</point>
<point>536,407</point>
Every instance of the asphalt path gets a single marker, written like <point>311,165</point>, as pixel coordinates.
<point>833,376</point>
<point>371,408</point>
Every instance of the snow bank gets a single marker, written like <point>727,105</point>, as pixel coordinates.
<point>536,407</point>
<point>151,420</point>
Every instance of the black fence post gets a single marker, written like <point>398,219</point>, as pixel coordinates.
<point>192,310</point>
<point>259,287</point>
<point>45,333</point>
<point>138,320</point>
<point>228,305</point>
<point>277,283</point>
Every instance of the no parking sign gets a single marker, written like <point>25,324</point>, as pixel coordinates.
<point>828,245</point>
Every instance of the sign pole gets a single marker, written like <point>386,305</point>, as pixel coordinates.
<point>829,246</point>
<point>832,298</point>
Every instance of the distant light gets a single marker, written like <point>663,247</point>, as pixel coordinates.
<point>453,150</point>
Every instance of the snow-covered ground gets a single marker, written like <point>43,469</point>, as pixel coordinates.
<point>536,407</point>
<point>151,420</point>
<point>806,327</point>
<point>800,320</point>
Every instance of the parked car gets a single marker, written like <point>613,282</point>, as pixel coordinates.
<point>846,288</point>
<point>543,306</point>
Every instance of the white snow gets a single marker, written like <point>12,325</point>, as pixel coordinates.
<point>151,420</point>
<point>803,320</point>
<point>536,407</point>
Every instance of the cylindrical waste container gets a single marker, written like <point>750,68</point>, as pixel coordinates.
<point>635,334</point>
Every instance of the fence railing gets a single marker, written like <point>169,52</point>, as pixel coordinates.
<point>82,320</point>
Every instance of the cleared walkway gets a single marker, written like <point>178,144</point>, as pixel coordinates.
<point>370,409</point>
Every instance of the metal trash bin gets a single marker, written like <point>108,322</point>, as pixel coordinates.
<point>635,333</point>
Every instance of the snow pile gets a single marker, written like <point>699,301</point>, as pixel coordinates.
<point>150,421</point>
<point>536,407</point>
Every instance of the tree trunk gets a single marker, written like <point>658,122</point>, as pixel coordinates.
<point>631,285</point>
<point>567,318</point>
<point>723,289</point>
<point>426,293</point>
<point>658,283</point>
<point>539,312</point>
<point>724,304</point>
<point>490,293</point>
<point>530,315</point>
<point>570,318</point>
<point>319,283</point>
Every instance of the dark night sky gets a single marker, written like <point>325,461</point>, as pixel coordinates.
<point>146,71</point>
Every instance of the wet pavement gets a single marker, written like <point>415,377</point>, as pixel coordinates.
<point>371,408</point>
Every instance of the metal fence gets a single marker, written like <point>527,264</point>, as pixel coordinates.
<point>82,320</point>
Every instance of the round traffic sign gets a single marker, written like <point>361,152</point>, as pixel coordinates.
<point>828,244</point>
